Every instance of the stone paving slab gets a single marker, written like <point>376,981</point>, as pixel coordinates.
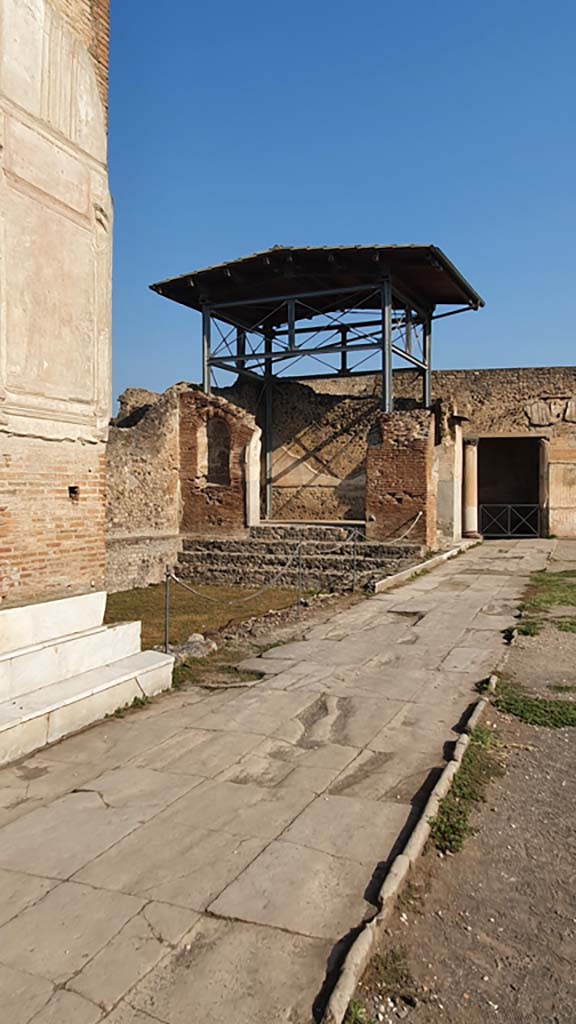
<point>165,867</point>
<point>73,922</point>
<point>301,890</point>
<point>223,969</point>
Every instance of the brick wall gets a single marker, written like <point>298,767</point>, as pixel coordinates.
<point>90,20</point>
<point>51,539</point>
<point>211,507</point>
<point>399,477</point>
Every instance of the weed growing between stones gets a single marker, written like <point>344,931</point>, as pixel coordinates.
<point>390,976</point>
<point>553,714</point>
<point>561,688</point>
<point>450,827</point>
<point>138,702</point>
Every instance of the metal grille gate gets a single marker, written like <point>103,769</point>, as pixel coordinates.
<point>510,520</point>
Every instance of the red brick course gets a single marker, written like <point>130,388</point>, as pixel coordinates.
<point>211,507</point>
<point>51,544</point>
<point>399,481</point>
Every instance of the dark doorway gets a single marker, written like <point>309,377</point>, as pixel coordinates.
<point>509,486</point>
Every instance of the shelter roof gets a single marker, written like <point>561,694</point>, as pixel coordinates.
<point>252,289</point>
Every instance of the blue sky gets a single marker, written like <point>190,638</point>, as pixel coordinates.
<point>237,126</point>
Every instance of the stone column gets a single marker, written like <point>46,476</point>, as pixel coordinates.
<point>471,488</point>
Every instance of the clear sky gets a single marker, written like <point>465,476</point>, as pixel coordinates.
<point>235,126</point>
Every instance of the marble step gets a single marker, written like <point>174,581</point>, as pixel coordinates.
<point>51,712</point>
<point>28,668</point>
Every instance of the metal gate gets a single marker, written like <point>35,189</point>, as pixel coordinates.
<point>510,520</point>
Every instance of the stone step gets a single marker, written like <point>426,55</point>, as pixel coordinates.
<point>272,563</point>
<point>257,549</point>
<point>333,578</point>
<point>27,668</point>
<point>307,531</point>
<point>52,712</point>
<point>48,620</point>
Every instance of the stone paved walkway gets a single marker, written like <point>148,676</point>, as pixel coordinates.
<point>202,860</point>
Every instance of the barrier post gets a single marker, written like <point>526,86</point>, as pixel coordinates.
<point>354,564</point>
<point>167,575</point>
<point>299,577</point>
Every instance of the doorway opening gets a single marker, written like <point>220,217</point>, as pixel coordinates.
<point>509,487</point>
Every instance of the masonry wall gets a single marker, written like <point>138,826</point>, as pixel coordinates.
<point>212,505</point>
<point>400,486</point>
<point>55,273</point>
<point>319,449</point>
<point>143,489</point>
<point>158,479</point>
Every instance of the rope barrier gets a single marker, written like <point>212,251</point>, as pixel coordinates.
<point>353,536</point>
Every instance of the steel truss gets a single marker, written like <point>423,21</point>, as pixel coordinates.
<point>340,342</point>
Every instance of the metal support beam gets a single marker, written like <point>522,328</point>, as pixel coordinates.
<point>427,359</point>
<point>206,329</point>
<point>386,308</point>
<point>370,289</point>
<point>408,330</point>
<point>240,346</point>
<point>267,433</point>
<point>344,351</point>
<point>291,323</point>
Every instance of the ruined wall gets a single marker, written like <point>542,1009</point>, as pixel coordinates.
<point>55,273</point>
<point>400,485</point>
<point>212,482</point>
<point>143,489</point>
<point>177,464</point>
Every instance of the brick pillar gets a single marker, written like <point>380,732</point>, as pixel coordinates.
<point>400,490</point>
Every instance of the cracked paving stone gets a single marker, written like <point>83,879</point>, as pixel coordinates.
<point>361,830</point>
<point>58,839</point>
<point>18,891</point>
<point>56,936</point>
<point>21,995</point>
<point>236,972</point>
<point>298,889</point>
<point>137,947</point>
<point>173,861</point>
<point>68,1008</point>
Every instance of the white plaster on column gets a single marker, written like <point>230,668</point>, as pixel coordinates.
<point>252,463</point>
<point>470,488</point>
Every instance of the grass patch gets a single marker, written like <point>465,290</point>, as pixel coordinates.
<point>561,688</point>
<point>566,625</point>
<point>530,627</point>
<point>189,613</point>
<point>451,825</point>
<point>553,714</point>
<point>547,589</point>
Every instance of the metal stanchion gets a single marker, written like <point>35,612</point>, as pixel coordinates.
<point>167,576</point>
<point>299,578</point>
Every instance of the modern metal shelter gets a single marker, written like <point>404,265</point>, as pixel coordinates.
<point>339,308</point>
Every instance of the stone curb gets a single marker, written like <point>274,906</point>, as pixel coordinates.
<point>407,574</point>
<point>363,947</point>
